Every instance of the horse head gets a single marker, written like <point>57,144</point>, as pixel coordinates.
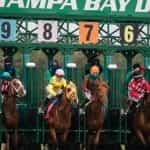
<point>71,92</point>
<point>99,89</point>
<point>17,88</point>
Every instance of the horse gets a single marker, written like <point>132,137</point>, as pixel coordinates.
<point>95,110</point>
<point>10,116</point>
<point>59,120</point>
<point>141,121</point>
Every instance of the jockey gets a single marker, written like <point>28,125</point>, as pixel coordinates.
<point>137,87</point>
<point>55,87</point>
<point>94,74</point>
<point>5,76</point>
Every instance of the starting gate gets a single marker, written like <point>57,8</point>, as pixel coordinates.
<point>90,26</point>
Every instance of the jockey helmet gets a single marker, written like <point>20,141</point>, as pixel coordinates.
<point>94,69</point>
<point>138,70</point>
<point>141,67</point>
<point>60,72</point>
<point>5,75</point>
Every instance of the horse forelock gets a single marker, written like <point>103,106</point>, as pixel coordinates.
<point>71,91</point>
<point>18,87</point>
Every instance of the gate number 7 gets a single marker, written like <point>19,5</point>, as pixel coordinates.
<point>89,27</point>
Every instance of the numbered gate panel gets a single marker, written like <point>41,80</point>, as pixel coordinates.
<point>7,30</point>
<point>88,32</point>
<point>129,33</point>
<point>47,31</point>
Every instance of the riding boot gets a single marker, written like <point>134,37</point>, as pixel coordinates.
<point>46,102</point>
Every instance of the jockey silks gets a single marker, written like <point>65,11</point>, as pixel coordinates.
<point>137,88</point>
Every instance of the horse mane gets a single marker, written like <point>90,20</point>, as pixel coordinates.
<point>100,86</point>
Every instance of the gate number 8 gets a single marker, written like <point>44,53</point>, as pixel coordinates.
<point>47,34</point>
<point>5,28</point>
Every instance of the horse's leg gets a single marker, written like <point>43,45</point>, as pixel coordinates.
<point>7,141</point>
<point>97,137</point>
<point>63,138</point>
<point>15,138</point>
<point>53,139</point>
<point>7,138</point>
<point>53,136</point>
<point>140,136</point>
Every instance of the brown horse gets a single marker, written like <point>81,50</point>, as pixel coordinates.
<point>95,109</point>
<point>10,115</point>
<point>141,121</point>
<point>60,115</point>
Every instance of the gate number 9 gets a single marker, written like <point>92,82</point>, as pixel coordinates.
<point>5,29</point>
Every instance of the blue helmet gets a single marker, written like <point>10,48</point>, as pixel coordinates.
<point>5,75</point>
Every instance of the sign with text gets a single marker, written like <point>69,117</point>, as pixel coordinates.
<point>99,8</point>
<point>7,30</point>
<point>88,32</point>
<point>128,33</point>
<point>47,31</point>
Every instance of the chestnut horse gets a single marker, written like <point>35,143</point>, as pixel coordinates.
<point>59,119</point>
<point>141,121</point>
<point>10,115</point>
<point>95,109</point>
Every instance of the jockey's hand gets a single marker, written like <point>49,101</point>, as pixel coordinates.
<point>49,96</point>
<point>86,90</point>
<point>88,95</point>
<point>60,91</point>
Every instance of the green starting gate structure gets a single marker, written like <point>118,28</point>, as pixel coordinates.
<point>90,26</point>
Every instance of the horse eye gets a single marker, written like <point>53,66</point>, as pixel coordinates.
<point>69,89</point>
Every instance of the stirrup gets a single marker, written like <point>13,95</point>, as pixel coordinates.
<point>40,110</point>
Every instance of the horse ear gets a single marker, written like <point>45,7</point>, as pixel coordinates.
<point>67,81</point>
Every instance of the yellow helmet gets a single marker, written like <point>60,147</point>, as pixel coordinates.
<point>94,69</point>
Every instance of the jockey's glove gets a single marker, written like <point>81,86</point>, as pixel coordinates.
<point>60,91</point>
<point>86,90</point>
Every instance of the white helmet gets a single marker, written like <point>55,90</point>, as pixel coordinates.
<point>60,72</point>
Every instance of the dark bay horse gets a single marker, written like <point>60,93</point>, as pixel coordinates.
<point>60,115</point>
<point>95,109</point>
<point>141,121</point>
<point>10,115</point>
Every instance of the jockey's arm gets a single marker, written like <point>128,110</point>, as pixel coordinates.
<point>50,90</point>
<point>147,86</point>
<point>84,85</point>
